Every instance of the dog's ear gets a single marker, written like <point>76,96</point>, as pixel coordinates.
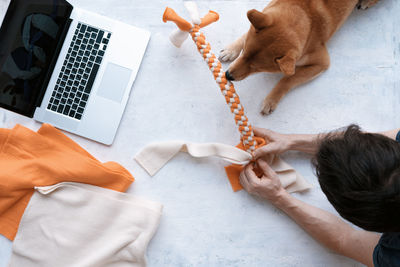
<point>287,63</point>
<point>258,19</point>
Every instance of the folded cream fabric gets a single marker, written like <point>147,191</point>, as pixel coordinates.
<point>73,224</point>
<point>154,156</point>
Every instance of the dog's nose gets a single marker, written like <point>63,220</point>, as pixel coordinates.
<point>229,76</point>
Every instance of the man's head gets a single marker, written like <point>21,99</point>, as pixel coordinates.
<point>360,175</point>
<point>271,45</point>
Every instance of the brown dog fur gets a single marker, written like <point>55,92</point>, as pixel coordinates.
<point>288,36</point>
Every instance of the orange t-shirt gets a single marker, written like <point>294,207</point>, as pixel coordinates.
<point>29,159</point>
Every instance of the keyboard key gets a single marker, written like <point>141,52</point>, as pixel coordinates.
<point>98,60</point>
<point>101,53</point>
<point>66,110</point>
<point>92,77</point>
<point>49,106</point>
<point>105,41</point>
<point>93,36</point>
<point>72,113</point>
<point>109,35</point>
<point>74,106</point>
<point>85,40</point>
<point>99,37</point>
<point>91,41</point>
<point>80,110</point>
<point>74,89</point>
<point>63,101</point>
<point>79,25</point>
<point>76,100</point>
<point>83,28</point>
<point>54,108</point>
<point>79,94</point>
<point>78,116</point>
<point>69,101</point>
<point>60,108</point>
<point>85,97</point>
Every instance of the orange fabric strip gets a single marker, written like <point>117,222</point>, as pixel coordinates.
<point>233,170</point>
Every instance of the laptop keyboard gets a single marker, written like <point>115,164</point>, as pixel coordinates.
<point>79,70</point>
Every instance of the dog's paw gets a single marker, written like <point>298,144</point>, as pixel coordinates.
<point>365,4</point>
<point>268,106</point>
<point>228,54</point>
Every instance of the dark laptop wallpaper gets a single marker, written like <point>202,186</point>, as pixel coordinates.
<point>29,36</point>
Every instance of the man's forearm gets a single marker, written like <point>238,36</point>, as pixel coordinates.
<point>307,143</point>
<point>330,230</point>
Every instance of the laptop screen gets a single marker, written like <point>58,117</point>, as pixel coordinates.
<point>29,38</point>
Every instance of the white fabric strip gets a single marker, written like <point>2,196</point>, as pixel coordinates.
<point>73,224</point>
<point>154,156</point>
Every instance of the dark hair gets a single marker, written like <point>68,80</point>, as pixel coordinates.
<point>360,175</point>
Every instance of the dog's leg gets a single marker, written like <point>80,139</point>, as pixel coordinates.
<point>233,50</point>
<point>314,64</point>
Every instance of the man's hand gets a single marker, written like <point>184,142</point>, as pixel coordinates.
<point>268,186</point>
<point>276,143</point>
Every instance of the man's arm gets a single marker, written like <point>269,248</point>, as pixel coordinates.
<point>323,226</point>
<point>308,143</point>
<point>330,230</point>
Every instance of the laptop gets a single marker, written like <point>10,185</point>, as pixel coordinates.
<point>68,67</point>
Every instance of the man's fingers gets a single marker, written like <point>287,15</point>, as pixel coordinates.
<point>267,170</point>
<point>243,176</point>
<point>261,132</point>
<point>267,149</point>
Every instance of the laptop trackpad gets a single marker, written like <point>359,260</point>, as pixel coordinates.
<point>114,82</point>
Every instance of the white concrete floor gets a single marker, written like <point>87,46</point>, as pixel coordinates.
<point>174,97</point>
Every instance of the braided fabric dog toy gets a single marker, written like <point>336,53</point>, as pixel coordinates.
<point>248,141</point>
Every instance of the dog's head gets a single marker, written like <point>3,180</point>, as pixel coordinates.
<point>270,46</point>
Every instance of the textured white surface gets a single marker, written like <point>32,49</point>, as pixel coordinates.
<point>174,97</point>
